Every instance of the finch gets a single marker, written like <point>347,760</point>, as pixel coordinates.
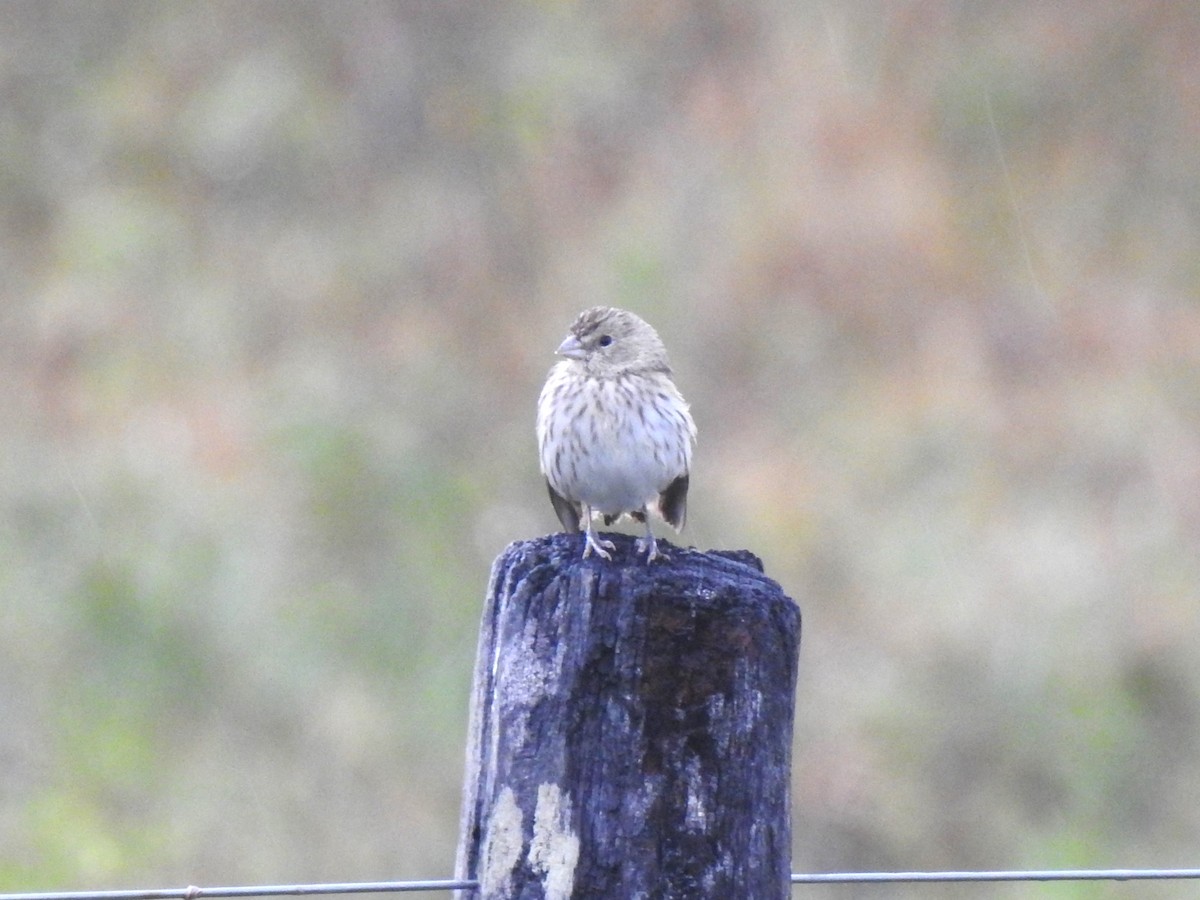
<point>615,436</point>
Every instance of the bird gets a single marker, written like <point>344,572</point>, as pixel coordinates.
<point>615,436</point>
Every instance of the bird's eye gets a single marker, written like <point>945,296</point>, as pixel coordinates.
<point>605,340</point>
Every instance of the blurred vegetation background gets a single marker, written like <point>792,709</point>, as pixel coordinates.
<point>281,282</point>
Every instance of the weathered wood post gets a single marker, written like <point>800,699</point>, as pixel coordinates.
<point>631,727</point>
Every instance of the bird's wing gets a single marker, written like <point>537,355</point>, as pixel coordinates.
<point>567,512</point>
<point>672,502</point>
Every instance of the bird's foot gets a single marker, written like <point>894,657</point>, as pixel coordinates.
<point>602,547</point>
<point>650,546</point>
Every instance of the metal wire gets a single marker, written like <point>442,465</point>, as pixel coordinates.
<point>1046,875</point>
<point>274,890</point>
<point>393,887</point>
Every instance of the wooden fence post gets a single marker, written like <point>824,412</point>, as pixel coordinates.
<point>631,727</point>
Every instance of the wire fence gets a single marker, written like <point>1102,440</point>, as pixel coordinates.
<point>394,887</point>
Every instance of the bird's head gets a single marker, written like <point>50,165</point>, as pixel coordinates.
<point>607,342</point>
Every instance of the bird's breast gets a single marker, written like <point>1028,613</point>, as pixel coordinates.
<point>613,443</point>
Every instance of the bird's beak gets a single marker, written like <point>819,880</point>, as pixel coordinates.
<point>571,348</point>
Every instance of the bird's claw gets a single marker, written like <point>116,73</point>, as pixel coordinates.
<point>650,545</point>
<point>602,547</point>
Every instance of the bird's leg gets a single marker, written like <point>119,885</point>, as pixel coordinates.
<point>648,542</point>
<point>601,546</point>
